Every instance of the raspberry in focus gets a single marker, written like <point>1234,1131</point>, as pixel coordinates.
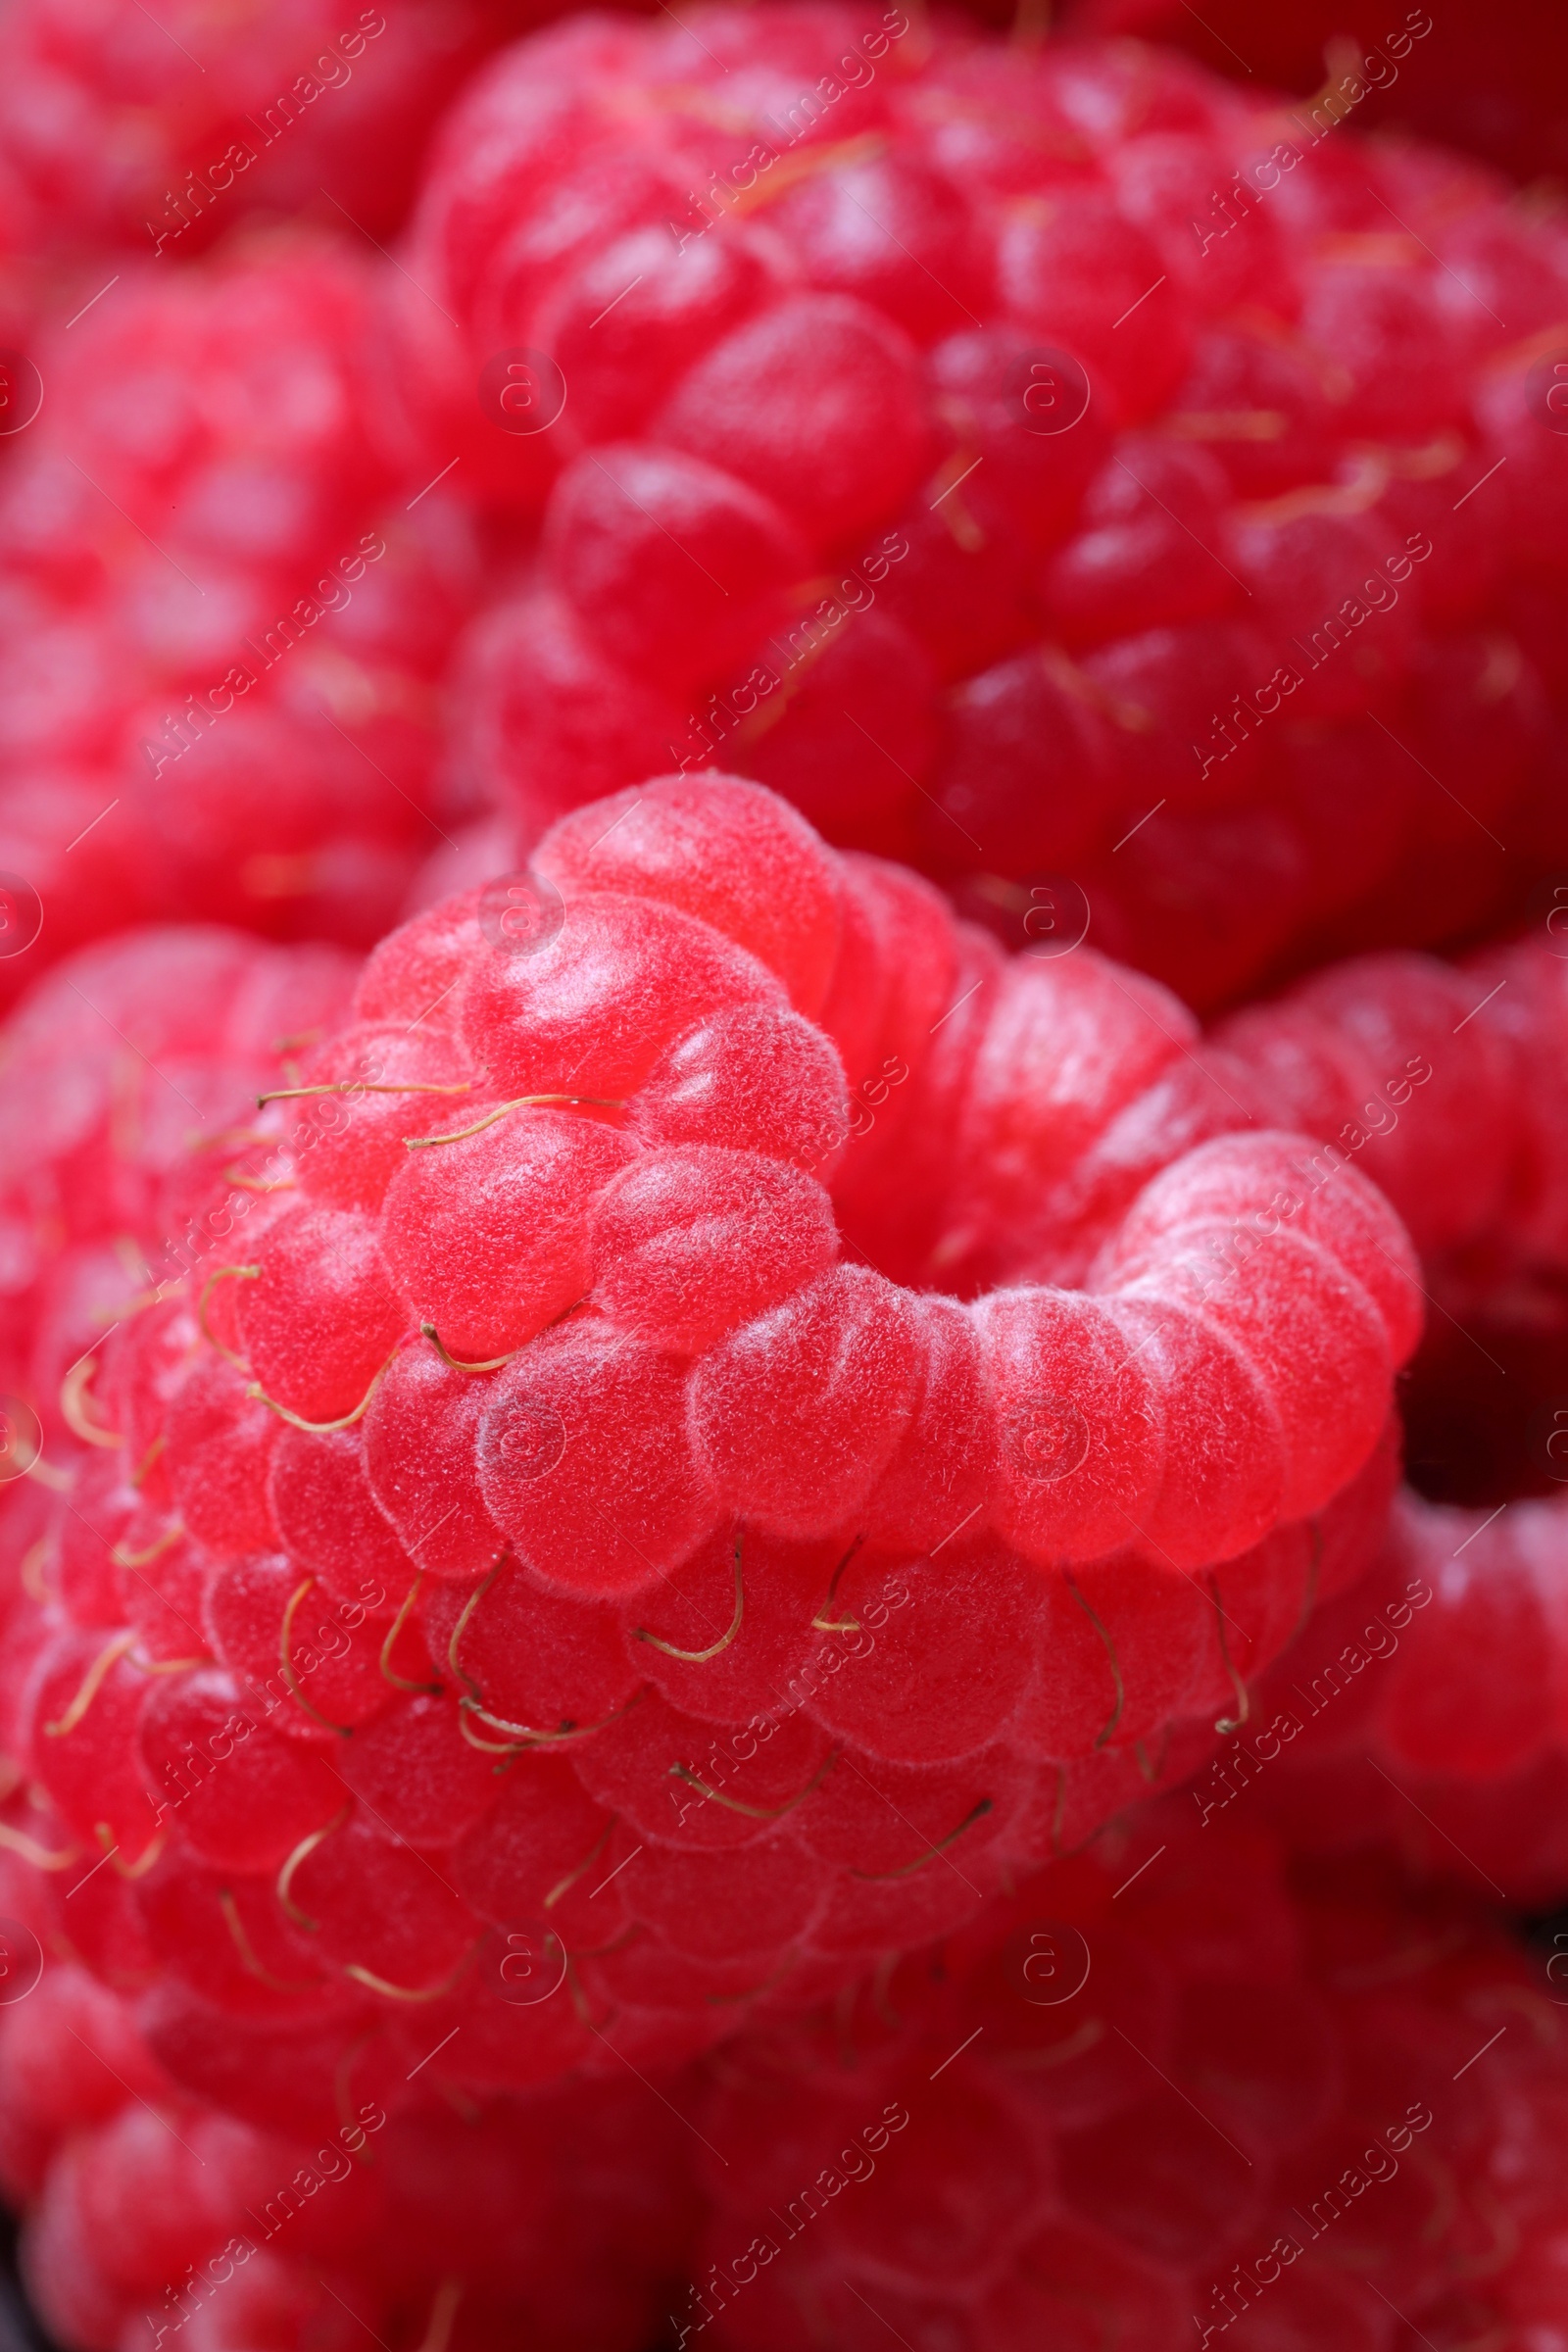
<point>526,1509</point>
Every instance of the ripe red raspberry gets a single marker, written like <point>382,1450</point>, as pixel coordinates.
<point>546,1535</point>
<point>1434,1080</point>
<point>1480,79</point>
<point>1167,2091</point>
<point>784,329</point>
<point>119,131</point>
<point>1431,1706</point>
<point>221,654</point>
<point>131,1077</point>
<point>560,2219</point>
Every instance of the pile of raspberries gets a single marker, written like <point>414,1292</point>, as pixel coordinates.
<point>783,1180</point>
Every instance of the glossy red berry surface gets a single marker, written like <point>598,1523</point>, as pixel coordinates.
<point>225,629</point>
<point>120,132</point>
<point>1086,477</point>
<point>148,2210</point>
<point>1175,2084</point>
<point>1424,1710</point>
<point>1480,79</point>
<point>527,1514</point>
<point>707,1627</point>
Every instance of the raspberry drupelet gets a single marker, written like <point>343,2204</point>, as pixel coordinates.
<point>530,1517</point>
<point>1033,461</point>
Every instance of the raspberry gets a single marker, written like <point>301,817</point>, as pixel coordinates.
<point>1453,76</point>
<point>116,1063</point>
<point>630,1500</point>
<point>1431,1702</point>
<point>633,1491</point>
<point>626,532</point>
<point>322,1317</point>
<point>560,2218</point>
<point>1422,1074</point>
<point>1207,2095</point>
<point>420,1437</point>
<point>624,980</point>
<point>121,133</point>
<point>944,438</point>
<point>222,658</point>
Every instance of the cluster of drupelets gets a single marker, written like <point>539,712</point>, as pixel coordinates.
<point>708,1625</point>
<point>568,1555</point>
<point>1162,416</point>
<point>854,401</point>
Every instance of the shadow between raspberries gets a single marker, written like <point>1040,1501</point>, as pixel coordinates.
<point>1485,1401</point>
<point>20,2332</point>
